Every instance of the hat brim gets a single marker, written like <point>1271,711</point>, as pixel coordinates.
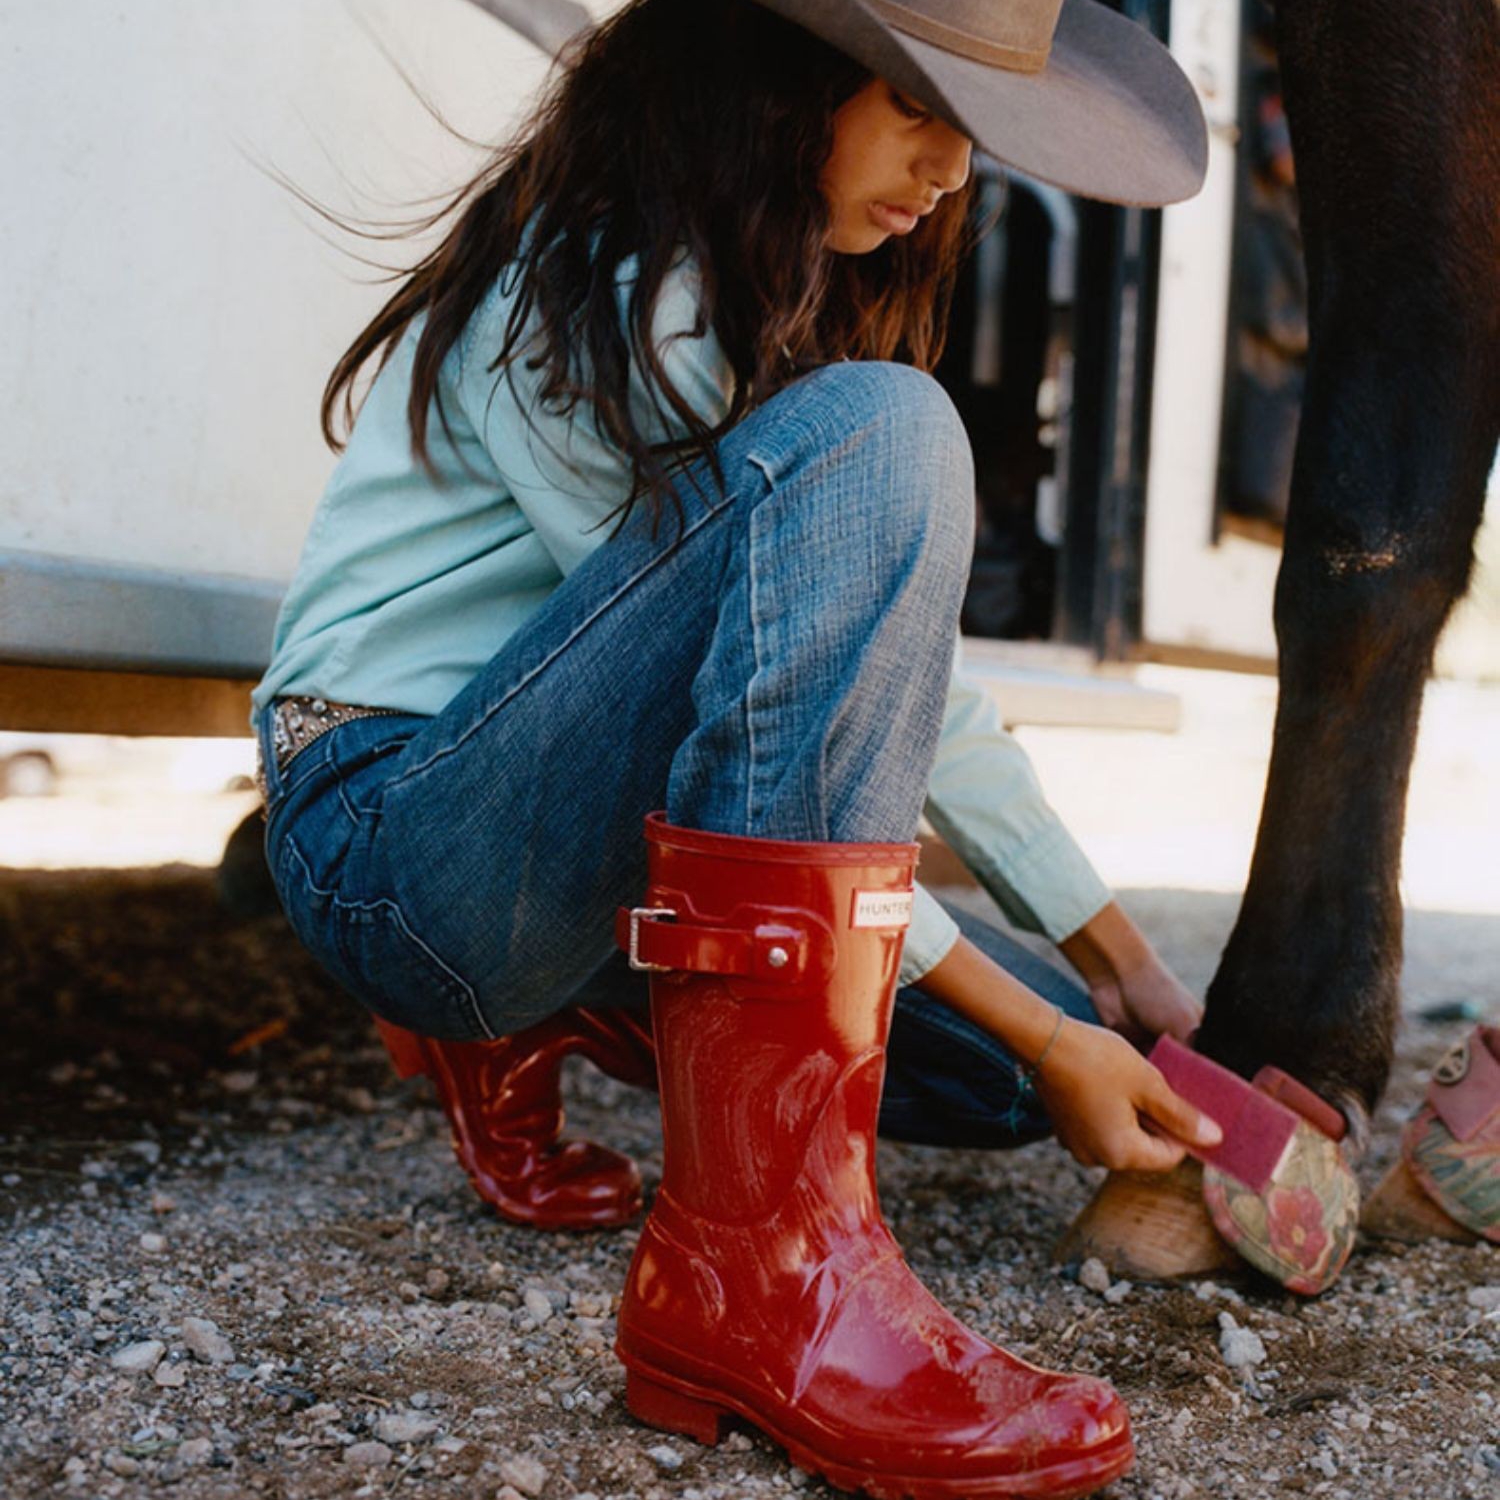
<point>1111,116</point>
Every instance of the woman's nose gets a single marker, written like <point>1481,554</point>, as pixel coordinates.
<point>946,163</point>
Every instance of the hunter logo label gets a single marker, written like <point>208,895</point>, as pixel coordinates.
<point>882,909</point>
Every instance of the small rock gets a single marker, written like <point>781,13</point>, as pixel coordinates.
<point>121,1464</point>
<point>241,1082</point>
<point>527,1474</point>
<point>438,1282</point>
<point>398,1427</point>
<point>169,1375</point>
<point>1094,1275</point>
<point>162,1203</point>
<point>93,1169</point>
<point>449,1445</point>
<point>508,1492</point>
<point>153,1244</point>
<point>1206,1291</point>
<point>1118,1292</point>
<point>664,1456</point>
<point>538,1305</point>
<point>367,1455</point>
<point>270,1299</point>
<point>205,1342</point>
<point>1485,1298</point>
<point>139,1359</point>
<point>148,1151</point>
<point>1241,1347</point>
<point>196,1450</point>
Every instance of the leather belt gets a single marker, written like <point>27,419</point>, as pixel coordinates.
<point>296,722</point>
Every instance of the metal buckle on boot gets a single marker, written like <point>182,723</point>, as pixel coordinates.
<point>634,952</point>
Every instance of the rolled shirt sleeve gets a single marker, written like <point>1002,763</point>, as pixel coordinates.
<point>931,934</point>
<point>984,799</point>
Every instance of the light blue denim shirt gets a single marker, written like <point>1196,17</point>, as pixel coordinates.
<point>409,582</point>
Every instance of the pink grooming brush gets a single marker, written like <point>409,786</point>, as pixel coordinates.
<point>1313,1108</point>
<point>1258,1130</point>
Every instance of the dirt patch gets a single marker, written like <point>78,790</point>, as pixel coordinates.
<point>195,1124</point>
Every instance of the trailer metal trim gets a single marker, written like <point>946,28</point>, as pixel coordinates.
<point>66,612</point>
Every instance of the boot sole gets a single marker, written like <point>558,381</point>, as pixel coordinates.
<point>677,1406</point>
<point>528,1218</point>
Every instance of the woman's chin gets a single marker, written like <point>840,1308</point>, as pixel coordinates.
<point>858,242</point>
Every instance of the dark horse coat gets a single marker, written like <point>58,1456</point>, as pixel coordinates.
<point>1394,107</point>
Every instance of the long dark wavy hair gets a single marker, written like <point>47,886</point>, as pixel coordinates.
<point>696,124</point>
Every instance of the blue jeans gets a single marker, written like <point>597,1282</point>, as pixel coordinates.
<point>771,661</point>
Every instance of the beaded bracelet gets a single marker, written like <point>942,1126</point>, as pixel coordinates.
<point>1027,1072</point>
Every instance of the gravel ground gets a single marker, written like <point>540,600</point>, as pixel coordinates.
<point>238,1258</point>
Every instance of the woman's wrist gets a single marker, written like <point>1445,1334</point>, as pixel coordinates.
<point>1132,990</point>
<point>1033,1070</point>
<point>1109,948</point>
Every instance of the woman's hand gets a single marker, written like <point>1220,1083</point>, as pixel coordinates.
<point>1109,1106</point>
<point>1112,1108</point>
<point>1132,989</point>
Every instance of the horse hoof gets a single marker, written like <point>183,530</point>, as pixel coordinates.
<point>1149,1227</point>
<point>1399,1210</point>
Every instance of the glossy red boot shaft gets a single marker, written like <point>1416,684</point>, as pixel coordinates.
<point>504,1107</point>
<point>766,1283</point>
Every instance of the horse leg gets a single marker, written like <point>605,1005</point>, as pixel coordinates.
<point>1394,107</point>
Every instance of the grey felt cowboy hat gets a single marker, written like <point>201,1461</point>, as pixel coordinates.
<point>1064,90</point>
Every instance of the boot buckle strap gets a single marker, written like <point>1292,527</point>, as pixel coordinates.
<point>768,949</point>
<point>633,917</point>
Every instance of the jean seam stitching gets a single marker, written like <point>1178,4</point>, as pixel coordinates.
<point>635,579</point>
<point>755,657</point>
<point>344,801</point>
<point>282,793</point>
<point>315,763</point>
<point>463,991</point>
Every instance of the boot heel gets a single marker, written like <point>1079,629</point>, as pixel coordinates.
<point>405,1048</point>
<point>673,1412</point>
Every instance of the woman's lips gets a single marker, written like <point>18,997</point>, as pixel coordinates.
<point>893,220</point>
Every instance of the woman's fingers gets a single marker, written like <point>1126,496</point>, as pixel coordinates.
<point>1159,1002</point>
<point>1113,1108</point>
<point>1154,1153</point>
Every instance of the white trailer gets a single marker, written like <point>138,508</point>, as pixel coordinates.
<point>171,313</point>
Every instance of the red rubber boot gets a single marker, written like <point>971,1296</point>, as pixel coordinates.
<point>504,1106</point>
<point>765,1283</point>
